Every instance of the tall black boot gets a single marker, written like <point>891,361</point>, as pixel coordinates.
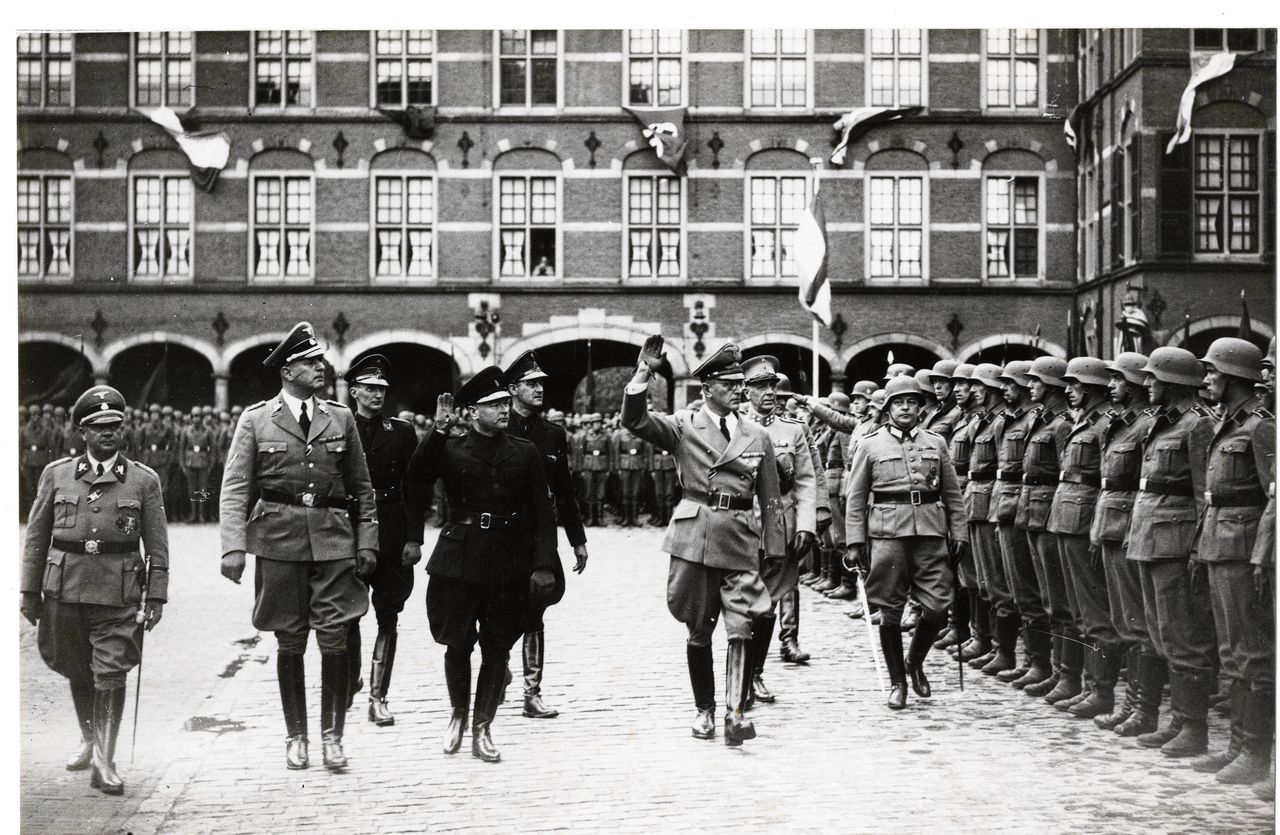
<point>761,637</point>
<point>82,698</point>
<point>384,658</point>
<point>1106,669</point>
<point>1257,731</point>
<point>1133,663</point>
<point>891,646</point>
<point>534,648</point>
<point>737,680</point>
<point>1040,658</point>
<point>702,678</point>
<point>980,628</point>
<point>1153,673</point>
<point>1045,687</point>
<point>1069,684</point>
<point>335,671</point>
<point>1191,699</point>
<point>457,677</point>
<point>292,678</point>
<point>108,707</point>
<point>927,629</point>
<point>789,631</point>
<point>1212,763</point>
<point>488,686</point>
<point>1006,645</point>
<point>354,682</point>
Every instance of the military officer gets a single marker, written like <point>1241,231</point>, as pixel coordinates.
<point>905,521</point>
<point>627,457</point>
<point>726,466</point>
<point>523,379</point>
<point>1240,472</point>
<point>293,471</point>
<point>97,523</point>
<point>195,454</point>
<point>593,452</point>
<point>496,554</point>
<point>388,444</point>
<point>1169,502</point>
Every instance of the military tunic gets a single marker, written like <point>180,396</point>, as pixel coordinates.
<point>980,485</point>
<point>593,453</point>
<point>388,444</point>
<point>1041,463</point>
<point>627,456</point>
<point>1011,430</point>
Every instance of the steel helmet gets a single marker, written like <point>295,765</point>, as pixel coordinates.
<point>1087,370</point>
<point>925,378</point>
<point>901,386</point>
<point>963,371</point>
<point>898,369</point>
<point>782,388</point>
<point>1048,370</point>
<point>1175,365</point>
<point>1016,372</point>
<point>864,388</point>
<point>1129,365</point>
<point>877,398</point>
<point>1237,357</point>
<point>839,401</point>
<point>1269,361</point>
<point>987,374</point>
<point>943,370</point>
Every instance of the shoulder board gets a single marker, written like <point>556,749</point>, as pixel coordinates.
<point>257,405</point>
<point>930,432</point>
<point>142,466</point>
<point>1203,411</point>
<point>1264,413</point>
<point>788,419</point>
<point>62,460</point>
<point>339,405</point>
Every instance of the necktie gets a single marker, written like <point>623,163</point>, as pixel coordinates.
<point>304,421</point>
<point>97,469</point>
<point>724,429</point>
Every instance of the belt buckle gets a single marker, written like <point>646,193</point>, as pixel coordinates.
<point>308,499</point>
<point>722,501</point>
<point>91,546</point>
<point>914,495</point>
<point>1142,484</point>
<point>486,521</point>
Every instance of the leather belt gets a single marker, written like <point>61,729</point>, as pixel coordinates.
<point>719,501</point>
<point>905,497</point>
<point>94,546</point>
<point>389,493</point>
<point>1164,488</point>
<point>305,499</point>
<point>1088,479</point>
<point>485,521</point>
<point>1236,498</point>
<point>1120,484</point>
<point>1039,480</point>
<point>982,475</point>
<point>1011,474</point>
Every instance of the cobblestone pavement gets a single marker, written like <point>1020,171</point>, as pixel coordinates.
<point>829,757</point>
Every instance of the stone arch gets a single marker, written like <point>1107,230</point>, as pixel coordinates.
<point>644,159</point>
<point>402,159</point>
<point>201,347</point>
<point>280,159</point>
<point>238,347</point>
<point>966,353</point>
<point>40,158</point>
<point>158,159</point>
<point>1230,109</point>
<point>461,357</point>
<point>613,331</point>
<point>936,348</point>
<point>776,159</point>
<point>825,351</point>
<point>75,343</point>
<point>525,158</point>
<point>859,152</point>
<point>895,159</point>
<point>1213,323</point>
<point>1014,143</point>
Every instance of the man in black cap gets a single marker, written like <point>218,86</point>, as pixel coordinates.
<point>85,582</point>
<point>388,445</point>
<point>725,465</point>
<point>300,458</point>
<point>496,554</point>
<point>523,379</point>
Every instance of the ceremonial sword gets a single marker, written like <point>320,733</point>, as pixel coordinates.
<point>140,619</point>
<point>875,656</point>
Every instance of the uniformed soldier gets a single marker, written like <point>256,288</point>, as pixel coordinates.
<point>523,380</point>
<point>154,446</point>
<point>924,379</point>
<point>388,444</point>
<point>726,468</point>
<point>905,523</point>
<point>294,469</point>
<point>36,445</point>
<point>85,579</point>
<point>1264,548</point>
<point>816,569</point>
<point>804,498</point>
<point>662,469</point>
<point>1239,476</point>
<point>627,457</point>
<point>1169,502</point>
<point>195,454</point>
<point>593,453</point>
<point>496,554</point>
<point>960,445</point>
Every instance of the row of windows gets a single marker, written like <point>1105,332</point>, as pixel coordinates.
<point>1104,53</point>
<point>529,68</point>
<point>529,215</point>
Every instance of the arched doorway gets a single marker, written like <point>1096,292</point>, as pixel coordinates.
<point>163,372</point>
<point>797,363</point>
<point>1200,341</point>
<point>1002,354</point>
<point>51,373</point>
<point>610,364</point>
<point>872,363</point>
<point>418,375</point>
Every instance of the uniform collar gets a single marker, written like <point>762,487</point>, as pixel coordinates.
<point>763,420</point>
<point>1242,412</point>
<point>294,405</point>
<point>730,420</point>
<point>901,435</point>
<point>116,466</point>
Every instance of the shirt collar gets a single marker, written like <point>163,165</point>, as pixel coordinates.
<point>763,420</point>
<point>730,420</point>
<point>295,405</point>
<point>901,435</point>
<point>106,465</point>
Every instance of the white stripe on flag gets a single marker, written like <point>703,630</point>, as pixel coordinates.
<point>204,150</point>
<point>1219,64</point>
<point>811,260</point>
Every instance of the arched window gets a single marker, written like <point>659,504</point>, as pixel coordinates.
<point>282,211</point>
<point>402,246</point>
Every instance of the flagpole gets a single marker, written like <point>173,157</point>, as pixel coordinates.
<point>816,162</point>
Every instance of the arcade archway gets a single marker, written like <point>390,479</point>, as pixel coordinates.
<point>1002,354</point>
<point>163,372</point>
<point>51,373</point>
<point>797,363</point>
<point>418,375</point>
<point>872,363</point>
<point>610,365</point>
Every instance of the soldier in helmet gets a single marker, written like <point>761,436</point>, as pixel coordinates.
<point>593,452</point>
<point>627,457</point>
<point>1239,475</point>
<point>36,445</point>
<point>904,516</point>
<point>84,581</point>
<point>960,445</point>
<point>662,469</point>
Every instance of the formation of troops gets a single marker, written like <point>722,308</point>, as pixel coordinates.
<point>1059,525</point>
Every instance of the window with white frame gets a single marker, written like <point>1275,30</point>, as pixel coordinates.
<point>404,71</point>
<point>897,68</point>
<point>1228,40</point>
<point>528,209</point>
<point>161,226</point>
<point>653,227</point>
<point>1012,68</point>
<point>404,214</point>
<point>895,223</point>
<point>777,205</point>
<point>44,226</point>
<point>1228,194</point>
<point>1013,226</point>
<point>779,67</point>
<point>162,69</point>
<point>527,72</point>
<point>282,212</point>
<point>655,68</point>
<point>282,68</point>
<point>44,69</point>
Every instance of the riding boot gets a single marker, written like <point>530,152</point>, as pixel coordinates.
<point>82,698</point>
<point>910,616</point>
<point>847,589</point>
<point>761,638</point>
<point>789,631</point>
<point>979,628</point>
<point>335,678</point>
<point>1006,645</point>
<point>1106,669</point>
<point>1018,670</point>
<point>702,678</point>
<point>292,678</point>
<point>108,707</point>
<point>818,566</point>
<point>488,686</point>
<point>354,683</point>
<point>993,621</point>
<point>891,646</point>
<point>1040,668</point>
<point>1256,733</point>
<point>1069,685</point>
<point>927,630</point>
<point>737,681</point>
<point>457,677</point>
<point>830,574</point>
<point>534,649</point>
<point>1191,698</point>
<point>1133,664</point>
<point>1212,763</point>
<point>1153,673</point>
<point>384,657</point>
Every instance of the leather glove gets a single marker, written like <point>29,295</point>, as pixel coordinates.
<point>541,584</point>
<point>446,417</point>
<point>1197,576</point>
<point>1095,557</point>
<point>412,553</point>
<point>958,551</point>
<point>824,522</point>
<point>366,563</point>
<point>155,610</point>
<point>1262,584</point>
<point>233,566</point>
<point>29,605</point>
<point>652,355</point>
<point>857,559</point>
<point>802,543</point>
<point>580,558</point>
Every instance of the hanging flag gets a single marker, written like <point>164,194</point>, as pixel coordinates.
<point>157,385</point>
<point>1070,128</point>
<point>1246,324</point>
<point>664,129</point>
<point>1072,349</point>
<point>811,261</point>
<point>861,119</point>
<point>1215,65</point>
<point>418,121</point>
<point>67,386</point>
<point>207,151</point>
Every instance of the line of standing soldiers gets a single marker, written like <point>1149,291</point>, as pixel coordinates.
<point>641,469</point>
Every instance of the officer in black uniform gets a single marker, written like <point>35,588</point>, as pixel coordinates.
<point>496,553</point>
<point>388,445</point>
<point>524,381</point>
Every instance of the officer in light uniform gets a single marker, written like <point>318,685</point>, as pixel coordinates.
<point>84,579</point>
